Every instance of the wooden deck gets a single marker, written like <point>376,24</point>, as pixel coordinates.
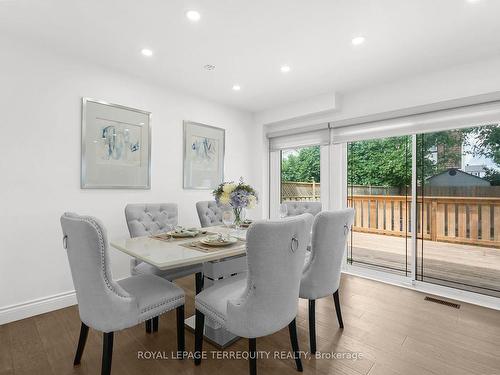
<point>443,263</point>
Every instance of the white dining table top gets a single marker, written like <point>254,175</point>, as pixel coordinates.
<point>167,255</point>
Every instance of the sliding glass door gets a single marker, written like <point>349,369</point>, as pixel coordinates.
<point>379,178</point>
<point>427,204</point>
<point>458,194</point>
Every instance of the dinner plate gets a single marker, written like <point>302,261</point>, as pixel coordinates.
<point>217,241</point>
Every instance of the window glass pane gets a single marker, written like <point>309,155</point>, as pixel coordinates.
<point>300,174</point>
<point>379,180</point>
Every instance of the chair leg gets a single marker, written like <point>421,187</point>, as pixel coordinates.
<point>312,325</point>
<point>84,332</point>
<point>199,282</point>
<point>149,324</point>
<point>107,353</point>
<point>292,328</point>
<point>337,308</point>
<point>252,356</point>
<point>156,322</point>
<point>181,346</point>
<point>198,337</point>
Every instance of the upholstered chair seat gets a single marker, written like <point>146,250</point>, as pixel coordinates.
<point>106,305</point>
<point>154,295</point>
<point>322,266</point>
<point>265,299</point>
<point>209,213</point>
<point>213,301</point>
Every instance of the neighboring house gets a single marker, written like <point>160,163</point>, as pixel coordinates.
<point>455,177</point>
<point>476,170</point>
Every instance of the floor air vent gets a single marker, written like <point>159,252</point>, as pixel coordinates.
<point>442,302</point>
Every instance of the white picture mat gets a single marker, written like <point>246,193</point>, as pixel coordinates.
<point>115,146</point>
<point>203,156</point>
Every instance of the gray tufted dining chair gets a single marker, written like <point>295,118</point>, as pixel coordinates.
<point>321,273</point>
<point>298,208</point>
<point>209,213</point>
<point>106,305</point>
<point>146,220</point>
<point>264,300</point>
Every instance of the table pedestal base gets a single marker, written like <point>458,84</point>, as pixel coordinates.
<point>219,337</point>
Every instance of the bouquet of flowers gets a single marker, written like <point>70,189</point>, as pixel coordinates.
<point>238,196</point>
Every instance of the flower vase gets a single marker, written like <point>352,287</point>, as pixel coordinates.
<point>239,217</point>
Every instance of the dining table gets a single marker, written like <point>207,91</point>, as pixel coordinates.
<point>166,252</point>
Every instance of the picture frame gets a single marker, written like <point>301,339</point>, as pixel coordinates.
<point>115,146</point>
<point>203,156</point>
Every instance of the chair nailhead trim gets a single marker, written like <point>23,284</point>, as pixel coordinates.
<point>219,318</point>
<point>161,304</point>
<point>103,265</point>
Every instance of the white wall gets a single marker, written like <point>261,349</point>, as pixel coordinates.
<point>453,83</point>
<point>457,82</point>
<point>319,104</point>
<point>40,108</point>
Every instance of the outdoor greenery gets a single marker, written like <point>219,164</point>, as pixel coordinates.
<point>381,162</point>
<point>302,166</point>
<point>387,161</point>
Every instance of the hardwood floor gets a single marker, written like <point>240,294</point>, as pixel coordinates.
<point>394,329</point>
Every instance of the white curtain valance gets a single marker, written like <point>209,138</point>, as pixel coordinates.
<point>312,138</point>
<point>454,118</point>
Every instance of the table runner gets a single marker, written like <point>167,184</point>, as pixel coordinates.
<point>197,245</point>
<point>166,237</point>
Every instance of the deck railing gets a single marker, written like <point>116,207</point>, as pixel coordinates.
<point>466,220</point>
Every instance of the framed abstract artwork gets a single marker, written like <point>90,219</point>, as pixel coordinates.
<point>116,146</point>
<point>203,156</point>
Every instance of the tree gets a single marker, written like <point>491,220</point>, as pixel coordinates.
<point>303,166</point>
<point>493,176</point>
<point>488,141</point>
<point>380,162</point>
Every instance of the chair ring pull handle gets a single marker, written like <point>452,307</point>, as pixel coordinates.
<point>65,242</point>
<point>294,244</point>
<point>346,229</point>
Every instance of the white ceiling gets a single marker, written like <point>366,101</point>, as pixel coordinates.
<point>248,41</point>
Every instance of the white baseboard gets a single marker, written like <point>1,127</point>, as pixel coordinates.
<point>36,307</point>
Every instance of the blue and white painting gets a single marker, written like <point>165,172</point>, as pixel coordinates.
<point>203,156</point>
<point>204,150</point>
<point>118,144</point>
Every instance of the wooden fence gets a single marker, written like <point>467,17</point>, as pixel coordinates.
<point>300,191</point>
<point>466,220</point>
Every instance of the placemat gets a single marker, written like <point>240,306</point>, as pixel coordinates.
<point>197,245</point>
<point>166,237</point>
<point>232,226</point>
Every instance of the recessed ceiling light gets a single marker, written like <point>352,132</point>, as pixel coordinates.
<point>473,1</point>
<point>285,69</point>
<point>147,52</point>
<point>193,15</point>
<point>209,67</point>
<point>236,87</point>
<point>358,40</point>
